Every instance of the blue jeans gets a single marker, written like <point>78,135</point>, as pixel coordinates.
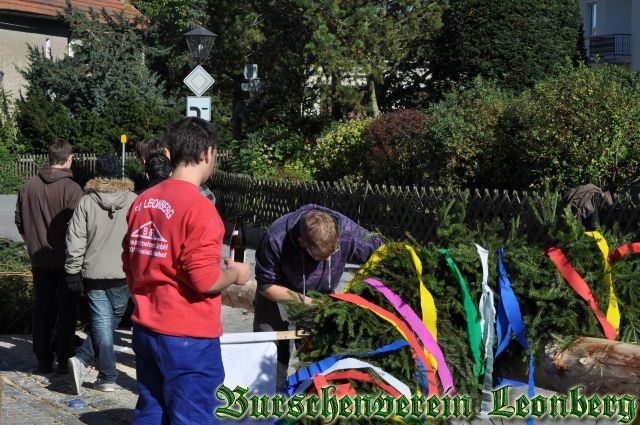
<point>107,308</point>
<point>177,378</point>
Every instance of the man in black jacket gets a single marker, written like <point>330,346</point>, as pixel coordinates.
<point>44,207</point>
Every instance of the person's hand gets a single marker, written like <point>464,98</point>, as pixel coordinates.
<point>243,270</point>
<point>74,282</point>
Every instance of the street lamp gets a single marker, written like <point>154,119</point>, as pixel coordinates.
<point>252,85</point>
<point>200,42</point>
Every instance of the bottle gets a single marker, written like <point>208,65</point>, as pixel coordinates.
<point>238,241</point>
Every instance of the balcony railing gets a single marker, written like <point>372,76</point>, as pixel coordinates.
<point>610,47</point>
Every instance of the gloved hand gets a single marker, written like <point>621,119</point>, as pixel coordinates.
<point>74,282</point>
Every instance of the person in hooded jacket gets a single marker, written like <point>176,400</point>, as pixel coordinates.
<point>94,266</point>
<point>44,207</point>
<point>301,251</point>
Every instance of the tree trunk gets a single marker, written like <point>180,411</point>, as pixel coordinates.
<point>373,98</point>
<point>600,365</point>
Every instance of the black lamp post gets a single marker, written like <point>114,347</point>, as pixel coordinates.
<point>200,42</point>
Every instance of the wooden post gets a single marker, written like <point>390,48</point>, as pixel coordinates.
<point>600,365</point>
<point>240,296</point>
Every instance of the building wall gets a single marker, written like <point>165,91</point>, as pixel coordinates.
<point>16,33</point>
<point>618,19</point>
<point>635,35</point>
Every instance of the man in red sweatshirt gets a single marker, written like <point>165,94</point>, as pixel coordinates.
<point>171,257</point>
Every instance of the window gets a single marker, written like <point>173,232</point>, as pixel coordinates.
<point>47,49</point>
<point>592,15</point>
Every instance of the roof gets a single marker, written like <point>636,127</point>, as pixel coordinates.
<point>51,8</point>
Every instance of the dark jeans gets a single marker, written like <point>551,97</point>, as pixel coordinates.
<point>107,308</point>
<point>177,378</point>
<point>54,307</point>
<point>272,317</point>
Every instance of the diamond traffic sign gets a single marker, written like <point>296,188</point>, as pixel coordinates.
<point>199,80</point>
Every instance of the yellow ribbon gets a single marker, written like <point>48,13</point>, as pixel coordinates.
<point>613,312</point>
<point>427,304</point>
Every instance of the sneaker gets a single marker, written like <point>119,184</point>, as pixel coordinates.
<point>104,386</point>
<point>78,371</point>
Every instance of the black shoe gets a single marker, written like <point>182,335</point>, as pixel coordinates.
<point>63,368</point>
<point>43,368</point>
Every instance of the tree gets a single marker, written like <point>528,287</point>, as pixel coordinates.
<point>360,41</point>
<point>239,31</point>
<point>103,90</point>
<point>7,125</point>
<point>515,42</point>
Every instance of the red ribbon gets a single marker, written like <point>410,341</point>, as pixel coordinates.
<point>321,381</point>
<point>578,284</point>
<point>623,250</point>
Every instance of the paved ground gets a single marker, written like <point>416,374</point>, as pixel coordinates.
<point>7,209</point>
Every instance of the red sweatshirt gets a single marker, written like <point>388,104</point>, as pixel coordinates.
<point>171,255</point>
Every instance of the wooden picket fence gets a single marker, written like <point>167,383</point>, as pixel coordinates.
<point>395,211</point>
<point>83,165</point>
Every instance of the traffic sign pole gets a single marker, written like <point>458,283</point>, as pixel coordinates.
<point>123,141</point>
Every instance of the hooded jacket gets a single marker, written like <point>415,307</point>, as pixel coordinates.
<point>280,259</point>
<point>96,230</point>
<point>44,207</point>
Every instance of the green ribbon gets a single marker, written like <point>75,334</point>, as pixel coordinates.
<point>473,325</point>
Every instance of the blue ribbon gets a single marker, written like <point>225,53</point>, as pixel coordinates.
<point>305,373</point>
<point>510,322</point>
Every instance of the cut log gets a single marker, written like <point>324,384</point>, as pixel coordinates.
<point>600,365</point>
<point>240,296</point>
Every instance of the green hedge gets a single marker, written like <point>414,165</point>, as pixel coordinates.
<point>16,288</point>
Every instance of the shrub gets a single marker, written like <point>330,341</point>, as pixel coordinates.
<point>394,144</point>
<point>16,286</point>
<point>271,152</point>
<point>582,126</point>
<point>338,153</point>
<point>9,181</point>
<point>461,139</point>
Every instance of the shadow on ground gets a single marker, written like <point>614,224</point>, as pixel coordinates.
<point>107,417</point>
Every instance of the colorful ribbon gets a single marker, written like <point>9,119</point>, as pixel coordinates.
<point>578,284</point>
<point>432,349</point>
<point>473,326</point>
<point>401,327</point>
<point>613,311</point>
<point>349,363</point>
<point>319,367</point>
<point>487,324</point>
<point>510,322</point>
<point>322,381</point>
<point>427,304</point>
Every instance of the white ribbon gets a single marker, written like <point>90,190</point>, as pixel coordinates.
<point>351,363</point>
<point>487,323</point>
